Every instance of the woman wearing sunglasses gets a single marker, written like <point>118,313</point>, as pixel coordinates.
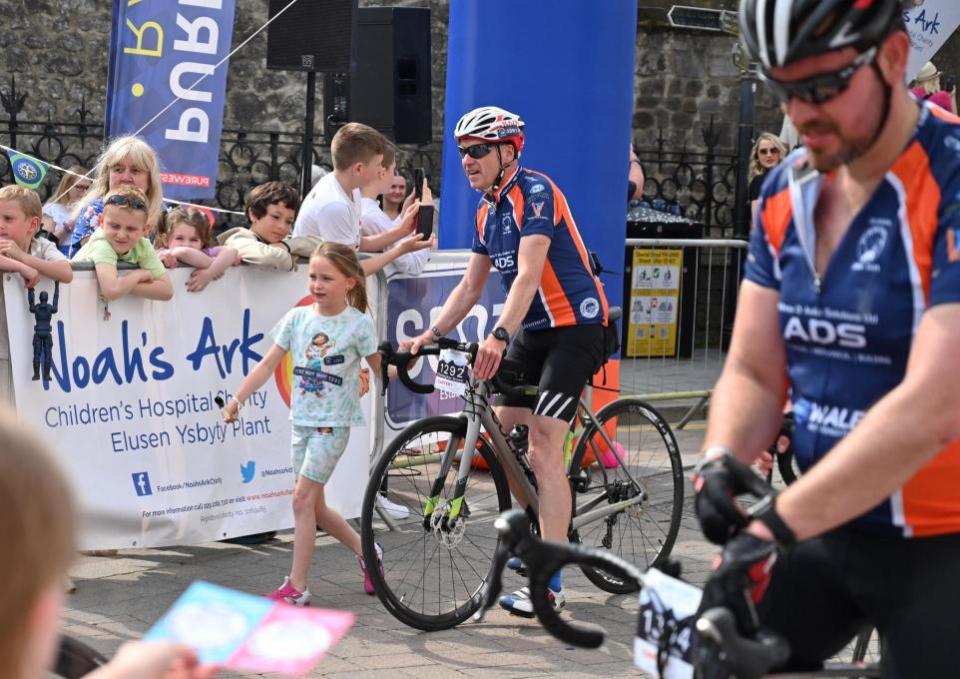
<point>851,303</point>
<point>766,155</point>
<point>555,312</point>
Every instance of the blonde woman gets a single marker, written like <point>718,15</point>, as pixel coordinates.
<point>766,155</point>
<point>927,88</point>
<point>128,161</point>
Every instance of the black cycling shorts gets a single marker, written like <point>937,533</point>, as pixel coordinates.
<point>560,361</point>
<point>825,590</point>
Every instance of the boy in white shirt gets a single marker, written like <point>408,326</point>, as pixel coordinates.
<point>332,208</point>
<point>375,223</point>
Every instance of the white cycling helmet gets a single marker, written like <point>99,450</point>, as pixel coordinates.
<point>491,123</point>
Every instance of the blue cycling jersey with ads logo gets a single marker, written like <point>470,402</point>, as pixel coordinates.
<point>848,331</point>
<point>530,203</point>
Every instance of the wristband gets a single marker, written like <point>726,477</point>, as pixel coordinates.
<point>436,332</point>
<point>765,512</point>
<point>715,452</point>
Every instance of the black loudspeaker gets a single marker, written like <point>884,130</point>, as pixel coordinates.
<point>390,89</point>
<point>312,35</point>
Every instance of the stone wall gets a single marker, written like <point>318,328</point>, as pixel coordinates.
<point>57,51</point>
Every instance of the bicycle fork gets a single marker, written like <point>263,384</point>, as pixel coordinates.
<point>456,508</point>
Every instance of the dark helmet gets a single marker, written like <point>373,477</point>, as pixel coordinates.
<point>779,32</point>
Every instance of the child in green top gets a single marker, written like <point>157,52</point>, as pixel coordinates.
<point>121,238</point>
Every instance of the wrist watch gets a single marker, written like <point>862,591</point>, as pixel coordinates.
<point>501,334</point>
<point>436,332</point>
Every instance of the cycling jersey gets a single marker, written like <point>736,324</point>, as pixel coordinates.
<point>530,203</point>
<point>848,331</point>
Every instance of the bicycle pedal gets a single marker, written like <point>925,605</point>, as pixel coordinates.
<point>515,564</point>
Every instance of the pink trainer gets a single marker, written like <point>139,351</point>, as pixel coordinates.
<point>367,582</point>
<point>290,594</point>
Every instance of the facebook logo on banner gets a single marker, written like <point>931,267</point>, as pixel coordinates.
<point>141,483</point>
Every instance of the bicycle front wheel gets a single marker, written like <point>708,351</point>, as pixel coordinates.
<point>437,548</point>
<point>646,481</point>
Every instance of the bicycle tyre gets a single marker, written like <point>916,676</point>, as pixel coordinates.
<point>650,452</point>
<point>415,552</point>
<point>76,659</point>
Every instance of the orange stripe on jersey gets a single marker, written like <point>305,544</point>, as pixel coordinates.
<point>944,114</point>
<point>482,213</point>
<point>516,199</point>
<point>556,301</point>
<point>562,213</point>
<point>776,215</point>
<point>923,201</point>
<point>931,503</point>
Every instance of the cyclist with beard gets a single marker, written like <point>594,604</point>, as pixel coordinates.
<point>850,298</point>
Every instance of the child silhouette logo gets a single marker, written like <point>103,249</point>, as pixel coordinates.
<point>43,330</point>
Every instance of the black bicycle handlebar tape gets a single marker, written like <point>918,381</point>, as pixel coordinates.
<point>542,560</point>
<point>740,657</point>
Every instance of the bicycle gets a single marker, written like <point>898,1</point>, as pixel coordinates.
<point>720,650</point>
<point>625,471</point>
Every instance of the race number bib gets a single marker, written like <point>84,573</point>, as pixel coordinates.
<point>667,607</point>
<point>453,372</point>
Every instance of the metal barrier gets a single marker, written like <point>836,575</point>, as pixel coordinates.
<point>679,306</point>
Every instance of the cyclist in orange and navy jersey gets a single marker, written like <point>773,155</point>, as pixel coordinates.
<point>553,318</point>
<point>852,298</point>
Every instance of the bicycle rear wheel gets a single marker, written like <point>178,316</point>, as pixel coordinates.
<point>650,475</point>
<point>438,551</point>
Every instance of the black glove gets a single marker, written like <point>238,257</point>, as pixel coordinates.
<point>718,482</point>
<point>740,579</point>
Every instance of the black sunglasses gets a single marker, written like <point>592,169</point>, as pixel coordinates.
<point>477,151</point>
<point>821,88</point>
<point>124,201</point>
<point>768,152</point>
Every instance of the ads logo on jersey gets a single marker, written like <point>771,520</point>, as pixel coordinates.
<point>871,245</point>
<point>589,308</point>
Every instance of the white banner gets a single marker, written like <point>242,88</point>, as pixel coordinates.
<point>930,23</point>
<point>130,410</point>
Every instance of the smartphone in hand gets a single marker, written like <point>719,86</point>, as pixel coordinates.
<point>424,219</point>
<point>418,177</point>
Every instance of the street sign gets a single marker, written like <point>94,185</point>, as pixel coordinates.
<point>697,18</point>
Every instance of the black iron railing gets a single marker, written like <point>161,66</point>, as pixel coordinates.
<point>697,182</point>
<point>247,157</point>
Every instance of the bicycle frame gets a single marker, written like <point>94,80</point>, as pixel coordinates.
<point>480,414</point>
<point>588,514</point>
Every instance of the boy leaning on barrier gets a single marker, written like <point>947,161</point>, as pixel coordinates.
<point>21,253</point>
<point>267,243</point>
<point>122,238</point>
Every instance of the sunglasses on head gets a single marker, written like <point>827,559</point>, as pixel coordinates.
<point>820,88</point>
<point>125,201</point>
<point>477,151</point>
